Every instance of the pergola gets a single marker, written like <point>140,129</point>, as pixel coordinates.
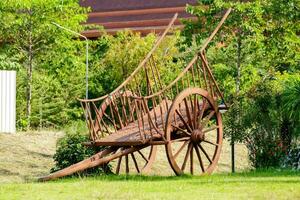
<point>142,16</point>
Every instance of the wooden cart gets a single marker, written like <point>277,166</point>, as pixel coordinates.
<point>143,112</point>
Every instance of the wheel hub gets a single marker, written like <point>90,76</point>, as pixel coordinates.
<point>197,136</point>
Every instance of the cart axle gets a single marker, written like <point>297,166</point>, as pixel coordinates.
<point>197,136</point>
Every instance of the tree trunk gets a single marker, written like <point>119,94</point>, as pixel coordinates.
<point>238,64</point>
<point>238,83</point>
<point>285,135</point>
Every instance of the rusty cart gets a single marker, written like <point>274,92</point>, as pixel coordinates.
<point>142,113</point>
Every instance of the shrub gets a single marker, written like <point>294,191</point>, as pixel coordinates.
<point>265,153</point>
<point>70,150</point>
<point>292,160</point>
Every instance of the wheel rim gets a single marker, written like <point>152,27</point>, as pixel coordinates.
<point>194,132</point>
<point>106,108</point>
<point>139,162</point>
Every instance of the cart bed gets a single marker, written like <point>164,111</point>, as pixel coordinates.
<point>130,134</point>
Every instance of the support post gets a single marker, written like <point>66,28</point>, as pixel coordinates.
<point>232,156</point>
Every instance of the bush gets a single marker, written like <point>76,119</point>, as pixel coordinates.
<point>292,160</point>
<point>70,150</point>
<point>265,153</point>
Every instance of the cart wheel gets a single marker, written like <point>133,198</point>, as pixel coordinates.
<point>107,107</point>
<point>139,162</point>
<point>194,132</point>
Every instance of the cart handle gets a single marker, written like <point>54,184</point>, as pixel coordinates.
<point>139,66</point>
<point>212,35</point>
<point>193,60</point>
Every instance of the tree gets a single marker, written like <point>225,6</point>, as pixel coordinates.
<point>230,52</point>
<point>256,45</point>
<point>26,25</point>
<point>290,98</point>
<point>122,55</point>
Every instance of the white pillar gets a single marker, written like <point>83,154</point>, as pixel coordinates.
<point>7,101</point>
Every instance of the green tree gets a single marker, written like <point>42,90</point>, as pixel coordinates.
<point>290,98</point>
<point>26,26</point>
<point>257,43</point>
<point>123,53</point>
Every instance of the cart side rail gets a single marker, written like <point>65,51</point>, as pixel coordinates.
<point>113,111</point>
<point>141,65</point>
<point>143,99</point>
<point>198,63</point>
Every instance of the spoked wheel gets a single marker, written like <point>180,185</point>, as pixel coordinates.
<point>194,132</point>
<point>109,115</point>
<point>138,162</point>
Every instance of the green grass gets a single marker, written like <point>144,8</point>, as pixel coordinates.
<point>25,156</point>
<point>251,185</point>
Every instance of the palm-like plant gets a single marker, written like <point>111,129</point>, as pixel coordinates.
<point>291,102</point>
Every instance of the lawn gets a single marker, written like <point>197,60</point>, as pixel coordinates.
<point>31,157</point>
<point>251,185</point>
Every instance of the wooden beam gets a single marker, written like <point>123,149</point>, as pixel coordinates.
<point>137,12</point>
<point>140,23</point>
<point>142,30</point>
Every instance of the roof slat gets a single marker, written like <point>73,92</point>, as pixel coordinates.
<point>138,15</point>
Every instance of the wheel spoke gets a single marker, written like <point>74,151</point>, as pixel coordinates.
<point>127,164</point>
<point>210,129</point>
<point>181,139</point>
<point>209,142</point>
<point>188,112</point>
<point>202,108</point>
<point>195,112</point>
<point>192,106</point>
<point>188,147</point>
<point>182,130</point>
<point>205,153</point>
<point>184,122</point>
<point>192,162</point>
<point>186,156</point>
<point>180,149</point>
<point>146,159</point>
<point>199,158</point>
<point>207,118</point>
<point>135,163</point>
<point>119,165</point>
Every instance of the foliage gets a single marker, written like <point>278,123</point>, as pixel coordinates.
<point>291,101</point>
<point>70,150</point>
<point>123,53</point>
<point>8,62</point>
<point>292,160</point>
<point>58,60</point>
<point>29,38</point>
<point>264,151</point>
<point>253,57</point>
